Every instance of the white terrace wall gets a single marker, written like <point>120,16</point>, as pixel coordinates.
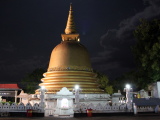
<point>107,108</point>
<point>20,107</point>
<point>99,108</point>
<point>6,107</point>
<point>146,108</point>
<point>13,107</point>
<point>96,108</point>
<point>35,106</point>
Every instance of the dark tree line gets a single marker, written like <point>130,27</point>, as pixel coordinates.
<point>147,56</point>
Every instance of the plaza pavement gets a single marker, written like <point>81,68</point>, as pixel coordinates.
<point>139,117</point>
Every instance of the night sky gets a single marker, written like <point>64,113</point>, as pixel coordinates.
<point>30,29</point>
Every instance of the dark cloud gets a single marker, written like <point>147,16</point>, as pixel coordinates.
<point>117,57</point>
<point>9,48</point>
<point>31,29</point>
<point>21,67</point>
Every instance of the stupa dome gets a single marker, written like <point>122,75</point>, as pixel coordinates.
<point>70,64</point>
<point>69,55</point>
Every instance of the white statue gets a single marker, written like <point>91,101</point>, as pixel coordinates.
<point>143,94</point>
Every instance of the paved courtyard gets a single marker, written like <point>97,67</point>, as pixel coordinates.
<point>143,117</point>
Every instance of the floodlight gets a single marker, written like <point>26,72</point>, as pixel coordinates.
<point>76,87</point>
<point>43,87</point>
<point>128,86</point>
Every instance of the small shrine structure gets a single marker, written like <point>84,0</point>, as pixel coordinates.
<point>65,104</point>
<point>24,97</point>
<point>9,90</point>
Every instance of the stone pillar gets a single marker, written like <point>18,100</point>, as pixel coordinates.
<point>152,95</point>
<point>0,98</point>
<point>157,109</point>
<point>158,89</point>
<point>122,99</point>
<point>16,96</point>
<point>135,108</point>
<point>42,97</point>
<point>128,94</point>
<point>77,104</point>
<point>77,96</point>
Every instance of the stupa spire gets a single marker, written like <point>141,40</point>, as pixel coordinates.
<point>70,27</point>
<point>70,6</point>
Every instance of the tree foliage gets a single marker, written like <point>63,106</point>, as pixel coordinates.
<point>146,51</point>
<point>32,80</point>
<point>104,83</point>
<point>127,78</point>
<point>135,78</point>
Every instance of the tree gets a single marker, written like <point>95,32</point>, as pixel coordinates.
<point>146,51</point>
<point>127,78</point>
<point>32,80</point>
<point>104,82</point>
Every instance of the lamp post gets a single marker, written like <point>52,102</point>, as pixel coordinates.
<point>42,96</point>
<point>77,104</point>
<point>128,89</point>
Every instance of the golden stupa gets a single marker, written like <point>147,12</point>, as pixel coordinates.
<point>70,64</point>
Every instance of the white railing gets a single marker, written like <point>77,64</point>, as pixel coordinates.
<point>96,108</point>
<point>145,108</point>
<point>20,107</point>
<point>99,108</point>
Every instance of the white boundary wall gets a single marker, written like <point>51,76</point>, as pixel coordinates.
<point>96,108</point>
<point>19,108</point>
